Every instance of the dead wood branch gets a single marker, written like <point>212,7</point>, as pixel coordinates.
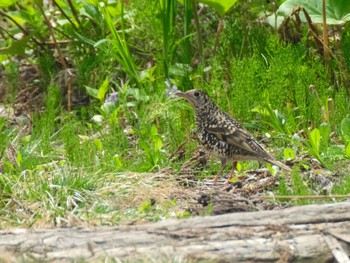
<point>314,233</point>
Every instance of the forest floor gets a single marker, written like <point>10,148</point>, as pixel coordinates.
<point>185,192</point>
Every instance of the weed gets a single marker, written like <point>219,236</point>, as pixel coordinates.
<point>153,147</point>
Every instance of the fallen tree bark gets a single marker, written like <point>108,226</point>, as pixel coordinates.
<point>314,233</point>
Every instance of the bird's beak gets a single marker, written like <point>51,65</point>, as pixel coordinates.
<point>182,94</point>
<point>186,96</point>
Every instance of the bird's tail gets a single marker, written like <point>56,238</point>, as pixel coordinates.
<point>279,164</point>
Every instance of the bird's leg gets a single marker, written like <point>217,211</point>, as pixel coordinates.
<point>223,166</point>
<point>232,172</point>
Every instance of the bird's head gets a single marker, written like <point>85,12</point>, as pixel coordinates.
<point>199,99</point>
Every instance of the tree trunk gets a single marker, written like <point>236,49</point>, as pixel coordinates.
<point>313,233</point>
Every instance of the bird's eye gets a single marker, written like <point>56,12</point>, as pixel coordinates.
<point>196,94</point>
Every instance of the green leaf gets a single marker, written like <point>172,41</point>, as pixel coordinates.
<point>261,111</point>
<point>7,3</point>
<point>121,49</point>
<point>347,150</point>
<point>17,47</point>
<point>220,6</point>
<point>145,206</point>
<point>118,161</point>
<point>102,90</point>
<point>325,131</point>
<point>154,130</point>
<point>92,92</point>
<point>98,144</point>
<point>19,158</point>
<point>289,153</point>
<point>314,146</point>
<point>144,146</point>
<point>100,42</point>
<point>158,144</point>
<point>115,10</point>
<point>108,108</point>
<point>114,117</point>
<point>345,128</point>
<point>337,11</point>
<point>85,39</point>
<point>315,138</point>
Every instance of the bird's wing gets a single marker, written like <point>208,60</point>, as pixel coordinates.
<point>239,138</point>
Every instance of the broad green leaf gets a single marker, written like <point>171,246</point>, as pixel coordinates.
<point>102,90</point>
<point>347,150</point>
<point>9,165</point>
<point>154,130</point>
<point>7,3</point>
<point>61,3</point>
<point>314,145</point>
<point>92,92</point>
<point>325,131</point>
<point>239,167</point>
<point>345,128</point>
<point>220,6</point>
<point>262,111</point>
<point>39,2</point>
<point>315,138</point>
<point>93,2</point>
<point>158,144</point>
<point>19,17</point>
<point>115,10</point>
<point>108,108</point>
<point>144,146</point>
<point>17,47</point>
<point>98,144</point>
<point>337,11</point>
<point>289,153</point>
<point>19,158</point>
<point>3,58</point>
<point>114,118</point>
<point>145,206</point>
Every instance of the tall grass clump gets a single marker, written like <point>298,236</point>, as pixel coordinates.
<point>122,53</point>
<point>283,79</point>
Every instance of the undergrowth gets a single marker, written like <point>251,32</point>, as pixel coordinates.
<point>98,164</point>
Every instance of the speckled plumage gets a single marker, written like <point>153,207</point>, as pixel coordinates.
<point>223,136</point>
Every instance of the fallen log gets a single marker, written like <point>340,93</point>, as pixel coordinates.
<point>313,233</point>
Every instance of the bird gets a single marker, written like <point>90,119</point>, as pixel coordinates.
<point>223,136</point>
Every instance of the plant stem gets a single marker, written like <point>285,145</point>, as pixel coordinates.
<point>60,55</point>
<point>217,35</point>
<point>187,22</point>
<point>199,34</point>
<point>168,16</point>
<point>325,32</point>
<point>21,28</point>
<point>64,14</point>
<point>74,12</point>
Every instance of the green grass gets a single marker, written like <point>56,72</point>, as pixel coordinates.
<point>107,165</point>
<point>71,171</point>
